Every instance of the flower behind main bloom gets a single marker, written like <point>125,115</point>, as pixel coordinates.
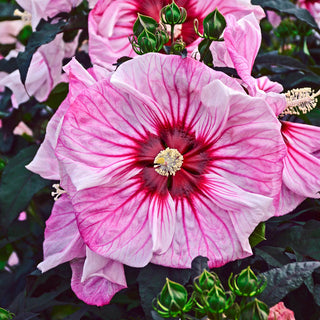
<point>110,23</point>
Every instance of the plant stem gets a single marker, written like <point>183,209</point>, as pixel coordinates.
<point>172,34</point>
<point>206,50</point>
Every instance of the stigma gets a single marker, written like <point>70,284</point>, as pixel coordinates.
<point>168,162</point>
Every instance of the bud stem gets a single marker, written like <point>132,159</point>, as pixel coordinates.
<point>206,50</point>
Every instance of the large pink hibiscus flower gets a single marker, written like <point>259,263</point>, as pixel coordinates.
<point>302,163</point>
<point>168,160</point>
<point>110,23</point>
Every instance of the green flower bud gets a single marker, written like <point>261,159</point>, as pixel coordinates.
<point>246,283</point>
<point>254,310</point>
<point>173,300</point>
<point>205,281</point>
<point>213,26</point>
<point>5,314</point>
<point>172,14</point>
<point>217,300</point>
<point>144,23</point>
<point>147,42</point>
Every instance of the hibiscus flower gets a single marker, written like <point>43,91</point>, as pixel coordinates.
<point>110,23</point>
<point>302,162</point>
<point>167,160</point>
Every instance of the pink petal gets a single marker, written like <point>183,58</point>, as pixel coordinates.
<point>101,286</point>
<point>114,221</point>
<point>243,39</point>
<point>215,223</point>
<point>289,200</point>
<point>300,172</point>
<point>176,84</point>
<point>304,136</point>
<point>100,135</point>
<point>250,142</point>
<point>45,162</point>
<point>62,238</point>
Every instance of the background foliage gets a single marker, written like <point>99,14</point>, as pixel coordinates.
<point>289,257</point>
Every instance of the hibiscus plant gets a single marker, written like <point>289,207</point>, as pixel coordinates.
<point>159,159</point>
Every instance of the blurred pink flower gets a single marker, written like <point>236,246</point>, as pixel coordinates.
<point>43,75</point>
<point>300,179</point>
<point>280,312</point>
<point>9,31</point>
<point>313,6</point>
<point>44,9</point>
<point>220,142</point>
<point>111,22</point>
<point>21,129</point>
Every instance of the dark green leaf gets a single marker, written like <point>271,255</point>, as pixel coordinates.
<point>258,234</point>
<point>287,7</point>
<point>18,185</point>
<point>44,34</point>
<point>283,280</point>
<point>8,65</point>
<point>6,11</point>
<point>57,95</point>
<point>198,264</point>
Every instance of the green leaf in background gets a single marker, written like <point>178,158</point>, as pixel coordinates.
<point>44,34</point>
<point>18,185</point>
<point>283,280</point>
<point>258,234</point>
<point>287,7</point>
<point>6,11</point>
<point>57,95</point>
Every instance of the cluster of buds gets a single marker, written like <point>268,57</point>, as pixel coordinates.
<point>173,301</point>
<point>209,295</point>
<point>209,299</point>
<point>148,35</point>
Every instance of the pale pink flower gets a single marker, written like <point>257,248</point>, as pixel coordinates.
<point>302,163</point>
<point>280,312</point>
<point>21,129</point>
<point>111,22</point>
<point>95,279</point>
<point>9,31</point>
<point>43,75</point>
<point>44,9</point>
<point>110,135</point>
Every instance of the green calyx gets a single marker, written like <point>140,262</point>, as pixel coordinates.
<point>246,283</point>
<point>147,35</point>
<point>254,310</point>
<point>172,14</point>
<point>173,300</point>
<point>213,26</point>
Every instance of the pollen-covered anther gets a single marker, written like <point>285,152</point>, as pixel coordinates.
<point>300,101</point>
<point>56,194</point>
<point>168,162</point>
<point>25,16</point>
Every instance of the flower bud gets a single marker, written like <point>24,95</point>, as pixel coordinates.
<point>218,301</point>
<point>246,283</point>
<point>213,26</point>
<point>205,281</point>
<point>144,23</point>
<point>172,14</point>
<point>254,310</point>
<point>173,300</point>
<point>5,314</point>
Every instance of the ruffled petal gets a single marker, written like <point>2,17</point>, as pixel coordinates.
<point>99,288</point>
<point>289,200</point>
<point>215,223</point>
<point>243,39</point>
<point>62,241</point>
